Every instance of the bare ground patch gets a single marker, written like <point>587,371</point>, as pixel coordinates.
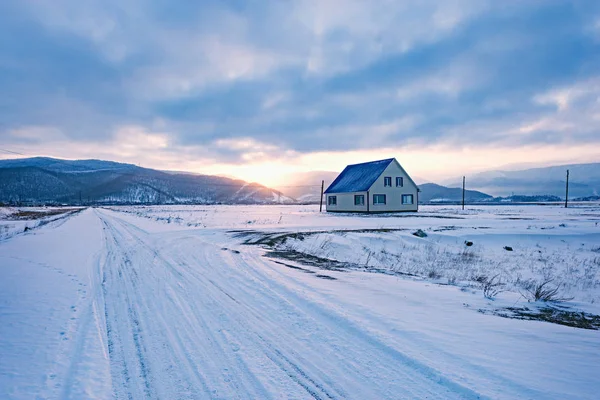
<point>555,315</point>
<point>272,239</point>
<point>38,214</point>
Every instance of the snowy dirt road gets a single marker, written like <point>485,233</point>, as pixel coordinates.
<point>108,305</point>
<point>186,319</point>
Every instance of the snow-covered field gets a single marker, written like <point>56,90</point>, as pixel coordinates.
<point>167,302</point>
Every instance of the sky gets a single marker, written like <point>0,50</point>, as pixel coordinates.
<point>264,90</point>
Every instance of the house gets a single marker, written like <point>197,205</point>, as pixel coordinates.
<point>373,187</point>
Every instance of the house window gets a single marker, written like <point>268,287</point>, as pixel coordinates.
<point>399,181</point>
<point>407,199</point>
<point>387,181</point>
<point>359,199</point>
<point>379,198</point>
<point>332,200</point>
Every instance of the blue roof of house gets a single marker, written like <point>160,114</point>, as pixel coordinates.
<point>358,177</point>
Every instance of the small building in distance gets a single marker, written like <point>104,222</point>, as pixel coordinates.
<point>373,187</point>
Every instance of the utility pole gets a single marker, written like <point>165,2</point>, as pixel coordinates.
<point>321,203</point>
<point>463,194</point>
<point>567,191</point>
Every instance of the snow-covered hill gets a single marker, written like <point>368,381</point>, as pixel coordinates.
<point>49,180</point>
<point>432,193</point>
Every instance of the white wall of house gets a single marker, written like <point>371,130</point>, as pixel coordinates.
<point>345,202</point>
<point>393,194</point>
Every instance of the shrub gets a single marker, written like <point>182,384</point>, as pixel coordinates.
<point>541,291</point>
<point>434,274</point>
<point>467,256</point>
<point>492,286</point>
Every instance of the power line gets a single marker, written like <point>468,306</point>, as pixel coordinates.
<point>254,184</point>
<point>12,152</point>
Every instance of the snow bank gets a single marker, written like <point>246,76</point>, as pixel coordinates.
<point>51,343</point>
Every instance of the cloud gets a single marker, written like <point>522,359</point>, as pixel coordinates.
<point>104,24</point>
<point>217,84</point>
<point>570,96</point>
<point>35,134</point>
<point>350,34</point>
<point>125,143</point>
<point>577,111</point>
<point>196,65</point>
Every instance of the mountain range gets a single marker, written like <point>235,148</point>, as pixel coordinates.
<point>584,181</point>
<point>49,180</point>
<point>53,181</point>
<point>433,193</point>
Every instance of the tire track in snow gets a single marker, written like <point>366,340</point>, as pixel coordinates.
<point>200,326</point>
<point>116,349</point>
<point>242,335</point>
<point>353,334</point>
<point>163,338</point>
<point>299,376</point>
<point>440,351</point>
<point>134,330</point>
<point>292,370</point>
